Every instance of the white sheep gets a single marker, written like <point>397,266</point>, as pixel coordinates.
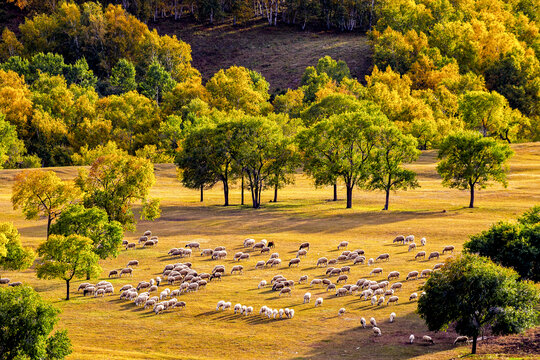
<point>423,241</point>
<point>427,339</point>
<point>238,308</point>
<point>281,312</point>
<point>373,322</point>
<point>376,331</point>
<point>363,322</point>
<point>341,311</point>
<point>370,262</point>
<point>291,313</point>
<point>262,284</point>
<point>220,304</point>
<point>249,311</point>
<point>227,305</point>
<point>263,310</point>
<point>307,297</point>
<point>319,301</point>
<point>411,339</point>
<point>373,300</point>
<point>275,313</point>
<point>243,310</point>
<point>413,296</point>
<point>461,339</point>
<point>392,317</point>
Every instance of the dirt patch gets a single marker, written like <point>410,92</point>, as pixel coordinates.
<point>527,343</point>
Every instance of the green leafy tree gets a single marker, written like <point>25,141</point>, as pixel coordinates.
<point>478,296</point>
<point>123,76</point>
<point>27,323</point>
<point>393,150</point>
<point>13,256</point>
<point>41,193</point>
<point>470,161</point>
<point>343,146</point>
<point>156,82</point>
<point>67,257</point>
<point>285,162</point>
<point>515,245</point>
<point>114,182</point>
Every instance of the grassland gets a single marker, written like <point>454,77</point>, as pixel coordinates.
<point>107,328</point>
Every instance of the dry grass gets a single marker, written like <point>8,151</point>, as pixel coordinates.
<point>113,329</point>
<point>280,53</point>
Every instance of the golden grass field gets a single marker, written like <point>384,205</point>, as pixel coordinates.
<point>107,328</point>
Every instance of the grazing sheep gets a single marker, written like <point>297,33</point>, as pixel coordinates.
<point>258,246</point>
<point>423,241</point>
<point>411,339</point>
<point>295,261</point>
<point>346,269</point>
<point>421,254</point>
<point>343,244</point>
<point>303,279</point>
<point>219,248</point>
<point>307,297</point>
<point>392,317</point>
<point>363,322</point>
<point>128,271</point>
<point>341,291</point>
<point>427,339</point>
<point>81,286</point>
<point>304,246</point>
<point>409,239</point>
<point>271,244</point>
<point>376,331</point>
<point>291,313</point>
<point>332,262</point>
<point>263,310</point>
<point>380,301</point>
<point>259,264</point>
<point>99,292</point>
<point>227,305</point>
<point>329,270</point>
<point>264,241</point>
<point>249,243</point>
<point>238,308</point>
<point>448,248</point>
<point>376,271</point>
<point>147,233</point>
<point>158,309</point>
<point>149,243</point>
<point>276,262</point>
<point>274,256</point>
<point>413,296</point>
<point>392,299</point>
<point>281,312</point>
<point>143,239</point>
<point>373,300</point>
<point>123,288</point>
<point>275,313</point>
<point>318,301</point>
<point>341,311</point>
<point>399,238</point>
<point>393,274</point>
<point>302,252</point>
<point>383,257</point>
<point>193,245</point>
<point>373,322</point>
<point>15,283</point>
<point>359,260</point>
<point>316,282</point>
<point>237,268</point>
<point>370,261</point>
<point>133,263</point>
<point>207,252</point>
<point>461,339</point>
<point>412,275</point>
<point>285,290</point>
<point>342,278</point>
<point>265,249</point>
<point>425,273</point>
<point>262,284</point>
<point>438,266</point>
<point>434,255</point>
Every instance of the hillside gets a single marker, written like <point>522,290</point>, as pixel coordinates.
<point>280,53</point>
<point>116,329</point>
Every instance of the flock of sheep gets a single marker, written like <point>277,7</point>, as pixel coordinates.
<point>147,294</point>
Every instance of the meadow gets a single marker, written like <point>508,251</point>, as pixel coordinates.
<point>109,328</point>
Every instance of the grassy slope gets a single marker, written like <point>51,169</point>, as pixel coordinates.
<point>113,329</point>
<point>280,53</point>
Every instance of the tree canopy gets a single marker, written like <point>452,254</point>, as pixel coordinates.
<point>13,256</point>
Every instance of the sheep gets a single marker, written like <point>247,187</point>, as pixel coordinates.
<point>303,279</point>
<point>427,339</point>
<point>359,260</point>
<point>363,322</point>
<point>341,311</point>
<point>123,288</point>
<point>143,239</point>
<point>346,269</point>
<point>411,339</point>
<point>302,252</point>
<point>249,243</point>
<point>399,238</point>
<point>281,312</point>
<point>332,262</point>
<point>380,301</point>
<point>131,246</point>
<point>99,292</point>
<point>258,246</point>
<point>113,273</point>
<point>265,249</point>
<point>329,270</point>
<point>354,289</point>
<point>219,255</point>
<point>81,286</point>
<point>218,269</point>
<point>149,303</point>
<point>383,257</point>
<point>376,271</point>
<point>342,258</point>
<point>425,273</point>
<point>271,244</point>
<point>341,292</point>
<point>227,305</point>
<point>128,271</point>
<point>158,281</point>
<point>423,241</point>
<point>413,296</point>
<point>421,254</point>
<point>262,284</point>
<point>237,268</point>
<point>409,239</point>
<point>125,242</point>
<point>291,313</point>
<point>133,263</point>
<point>152,288</point>
<point>158,309</point>
<point>304,246</point>
<point>448,248</point>
<point>259,264</point>
<point>392,317</point>
<point>237,308</point>
<point>438,266</point>
<point>147,233</point>
<point>392,299</point>
<point>264,241</point>
<point>373,300</point>
<point>207,252</point>
<point>152,281</point>
<point>149,243</point>
<point>434,255</point>
<point>276,262</point>
<point>295,261</point>
<point>412,275</point>
<point>373,322</point>
<point>376,331</point>
<point>342,278</point>
<point>219,248</point>
<point>269,262</point>
<point>193,245</point>
<point>316,282</point>
<point>461,339</point>
<point>343,244</point>
<point>285,290</point>
<point>275,313</point>
<point>370,261</point>
<point>263,310</point>
<point>393,274</point>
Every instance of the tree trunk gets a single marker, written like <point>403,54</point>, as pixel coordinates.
<point>67,289</point>
<point>49,220</point>
<point>473,350</point>
<point>349,196</point>
<point>242,190</point>
<point>387,199</point>
<point>202,193</point>
<point>471,203</point>
<point>335,192</point>
<point>275,192</point>
<point>87,275</point>
<point>226,192</point>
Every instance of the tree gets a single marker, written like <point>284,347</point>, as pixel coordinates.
<point>515,245</point>
<point>66,257</point>
<point>27,323</point>
<point>477,295</point>
<point>13,256</point>
<point>94,224</point>
<point>123,76</point>
<point>156,82</point>
<point>285,160</point>
<point>393,149</point>
<point>470,161</point>
<point>41,193</point>
<point>114,182</point>
<point>343,146</point>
